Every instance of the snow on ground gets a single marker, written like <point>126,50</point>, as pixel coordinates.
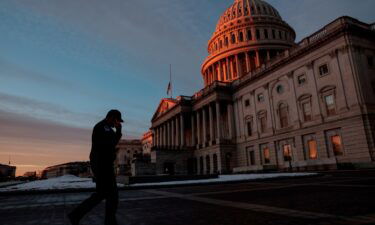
<point>73,182</point>
<point>228,178</point>
<point>57,183</point>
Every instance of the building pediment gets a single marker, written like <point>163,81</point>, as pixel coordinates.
<point>165,105</point>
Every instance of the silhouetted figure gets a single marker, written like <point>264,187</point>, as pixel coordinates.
<point>102,157</point>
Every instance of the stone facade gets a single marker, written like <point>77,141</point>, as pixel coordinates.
<point>147,143</point>
<point>127,151</point>
<point>305,106</point>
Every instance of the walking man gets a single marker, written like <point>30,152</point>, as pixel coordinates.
<point>102,157</point>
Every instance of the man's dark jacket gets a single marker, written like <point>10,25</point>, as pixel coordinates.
<point>103,151</point>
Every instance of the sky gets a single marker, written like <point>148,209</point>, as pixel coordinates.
<point>64,64</point>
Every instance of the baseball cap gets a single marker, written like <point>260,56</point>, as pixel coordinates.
<point>116,114</point>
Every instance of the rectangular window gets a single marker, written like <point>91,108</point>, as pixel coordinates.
<point>313,151</point>
<point>266,154</point>
<point>306,108</point>
<point>273,34</point>
<point>257,34</point>
<point>249,128</point>
<point>323,70</point>
<point>263,124</point>
<point>301,79</point>
<point>330,105</point>
<point>266,34</point>
<point>337,145</point>
<point>287,152</point>
<point>260,97</point>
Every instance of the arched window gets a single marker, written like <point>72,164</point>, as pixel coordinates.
<point>283,114</point>
<point>220,43</point>
<point>233,38</point>
<point>241,37</point>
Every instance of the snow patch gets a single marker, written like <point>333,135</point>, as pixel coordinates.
<point>57,183</point>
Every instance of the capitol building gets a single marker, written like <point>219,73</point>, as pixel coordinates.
<point>271,104</point>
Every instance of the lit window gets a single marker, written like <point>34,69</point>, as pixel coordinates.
<point>323,70</point>
<point>301,79</point>
<point>283,110</point>
<point>306,108</point>
<point>249,128</point>
<point>266,153</point>
<point>313,151</point>
<point>287,152</point>
<point>330,105</point>
<point>263,123</point>
<point>260,98</point>
<point>247,102</point>
<point>336,145</point>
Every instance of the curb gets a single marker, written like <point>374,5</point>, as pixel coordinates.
<point>80,190</point>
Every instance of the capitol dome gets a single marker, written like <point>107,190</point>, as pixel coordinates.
<point>248,33</point>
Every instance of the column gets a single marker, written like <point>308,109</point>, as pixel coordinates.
<point>213,73</point>
<point>247,62</point>
<point>257,59</point>
<point>178,133</point>
<point>211,123</point>
<point>173,133</point>
<point>220,71</point>
<point>168,134</point>
<point>204,127</point>
<point>228,69</point>
<point>268,56</point>
<point>238,68</point>
<point>230,120</point>
<point>163,135</point>
<point>218,122</point>
<point>231,69</point>
<point>192,130</point>
<point>225,71</point>
<point>198,128</point>
<point>182,130</point>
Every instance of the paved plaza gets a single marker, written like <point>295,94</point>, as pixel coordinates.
<point>334,198</point>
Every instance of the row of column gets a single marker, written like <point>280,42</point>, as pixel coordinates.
<point>199,124</point>
<point>229,68</point>
<point>171,133</point>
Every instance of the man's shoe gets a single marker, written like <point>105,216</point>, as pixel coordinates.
<point>73,219</point>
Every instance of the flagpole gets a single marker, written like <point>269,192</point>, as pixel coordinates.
<point>170,79</point>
